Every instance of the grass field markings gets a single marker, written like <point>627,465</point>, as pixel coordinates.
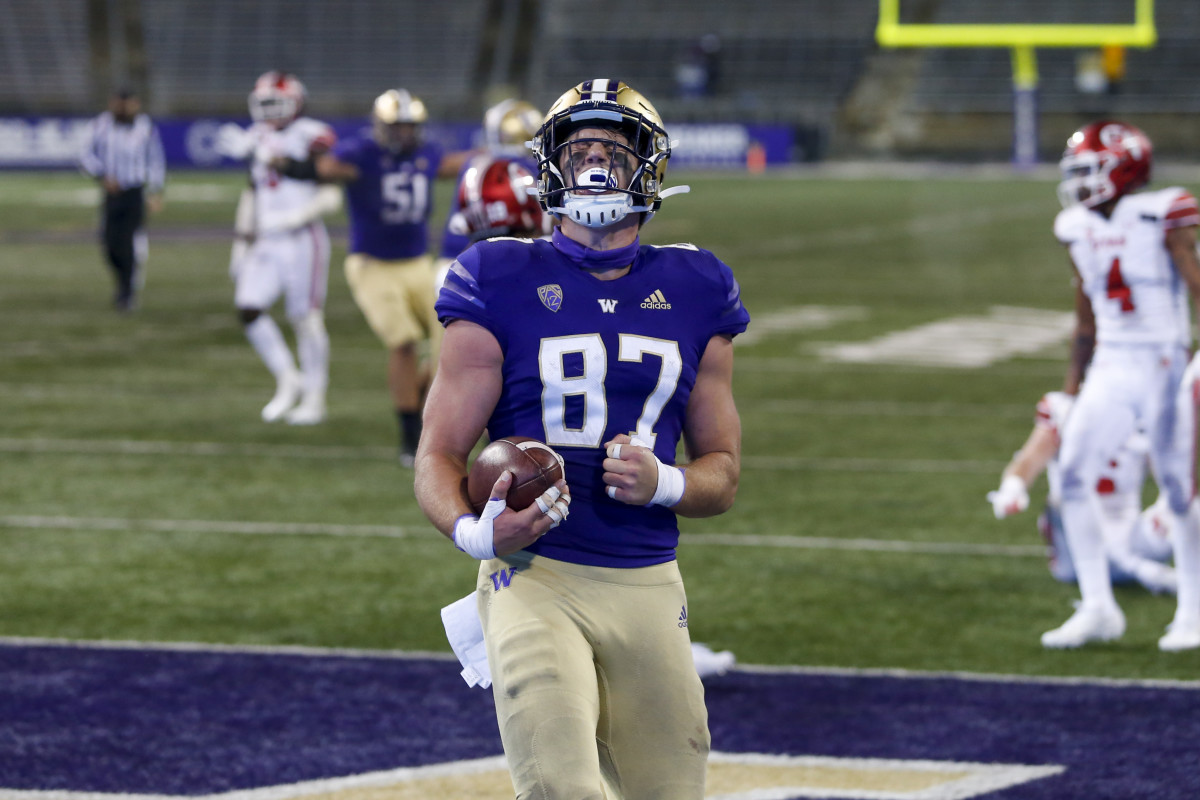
<point>244,528</point>
<point>447,655</point>
<point>236,649</point>
<point>876,408</point>
<point>863,545</point>
<point>860,235</point>
<point>1039,365</point>
<point>234,527</point>
<point>88,392</point>
<point>782,321</point>
<point>217,449</point>
<point>883,465</point>
<point>969,342</point>
<point>89,197</point>
<point>976,677</point>
<point>47,446</point>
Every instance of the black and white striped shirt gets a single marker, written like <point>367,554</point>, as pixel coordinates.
<point>131,154</point>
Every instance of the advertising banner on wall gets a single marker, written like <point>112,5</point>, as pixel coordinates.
<point>55,142</point>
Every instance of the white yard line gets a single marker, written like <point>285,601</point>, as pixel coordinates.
<point>254,528</point>
<point>135,447</point>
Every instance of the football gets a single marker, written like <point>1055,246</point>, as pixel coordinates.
<point>534,465</point>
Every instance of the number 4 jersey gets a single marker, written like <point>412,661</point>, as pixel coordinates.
<point>1135,292</point>
<point>586,359</point>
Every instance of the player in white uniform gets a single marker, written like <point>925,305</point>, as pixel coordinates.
<point>1135,261</point>
<point>282,246</point>
<point>1136,542</point>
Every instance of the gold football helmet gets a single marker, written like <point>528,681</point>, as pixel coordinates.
<point>616,106</point>
<point>509,124</point>
<point>395,119</point>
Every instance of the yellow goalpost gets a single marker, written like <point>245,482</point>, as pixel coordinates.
<point>1022,39</point>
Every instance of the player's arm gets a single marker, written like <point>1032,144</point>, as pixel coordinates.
<point>1026,465</point>
<point>1083,339</point>
<point>1181,244</point>
<point>464,391</point>
<point>452,163</point>
<point>713,437</point>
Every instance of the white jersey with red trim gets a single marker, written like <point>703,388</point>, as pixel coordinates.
<point>1136,294</point>
<point>275,194</point>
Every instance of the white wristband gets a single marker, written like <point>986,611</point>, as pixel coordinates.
<point>671,483</point>
<point>473,535</point>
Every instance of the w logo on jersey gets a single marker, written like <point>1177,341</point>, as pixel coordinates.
<point>551,296</point>
<point>606,305</point>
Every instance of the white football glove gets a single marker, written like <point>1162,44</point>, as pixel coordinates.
<point>1011,498</point>
<point>234,141</point>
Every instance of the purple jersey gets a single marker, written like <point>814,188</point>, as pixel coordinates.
<point>390,202</point>
<point>585,360</point>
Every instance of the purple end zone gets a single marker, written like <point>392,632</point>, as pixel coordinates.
<point>190,723</point>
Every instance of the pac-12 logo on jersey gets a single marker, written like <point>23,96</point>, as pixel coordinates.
<point>551,296</point>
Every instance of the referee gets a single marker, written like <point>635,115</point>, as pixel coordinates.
<point>124,153</point>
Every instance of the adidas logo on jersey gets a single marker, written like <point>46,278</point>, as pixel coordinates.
<point>656,300</point>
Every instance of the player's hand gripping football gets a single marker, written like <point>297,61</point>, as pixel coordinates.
<point>499,530</point>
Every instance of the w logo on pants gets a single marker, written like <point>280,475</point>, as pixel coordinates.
<point>502,578</point>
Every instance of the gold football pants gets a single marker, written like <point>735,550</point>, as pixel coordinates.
<point>596,692</point>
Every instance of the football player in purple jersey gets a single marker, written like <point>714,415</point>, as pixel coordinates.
<point>507,126</point>
<point>611,352</point>
<point>389,176</point>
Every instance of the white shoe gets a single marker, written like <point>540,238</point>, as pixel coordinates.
<point>311,411</point>
<point>1086,625</point>
<point>287,394</point>
<point>1181,635</point>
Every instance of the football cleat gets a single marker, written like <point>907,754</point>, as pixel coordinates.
<point>1181,635</point>
<point>311,411</point>
<point>287,394</point>
<point>1087,624</point>
<point>1103,161</point>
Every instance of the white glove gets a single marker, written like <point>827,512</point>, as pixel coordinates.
<point>234,141</point>
<point>1011,498</point>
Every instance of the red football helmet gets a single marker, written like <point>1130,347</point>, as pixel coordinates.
<point>497,197</point>
<point>1103,161</point>
<point>277,98</point>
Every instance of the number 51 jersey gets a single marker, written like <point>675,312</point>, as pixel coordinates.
<point>587,359</point>
<point>1135,292</point>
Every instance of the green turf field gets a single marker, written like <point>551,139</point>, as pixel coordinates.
<point>142,499</point>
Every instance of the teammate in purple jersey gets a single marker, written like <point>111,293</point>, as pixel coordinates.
<point>389,174</point>
<point>610,352</point>
<point>507,126</point>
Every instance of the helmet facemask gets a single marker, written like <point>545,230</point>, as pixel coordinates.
<point>602,159</point>
<point>1086,179</point>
